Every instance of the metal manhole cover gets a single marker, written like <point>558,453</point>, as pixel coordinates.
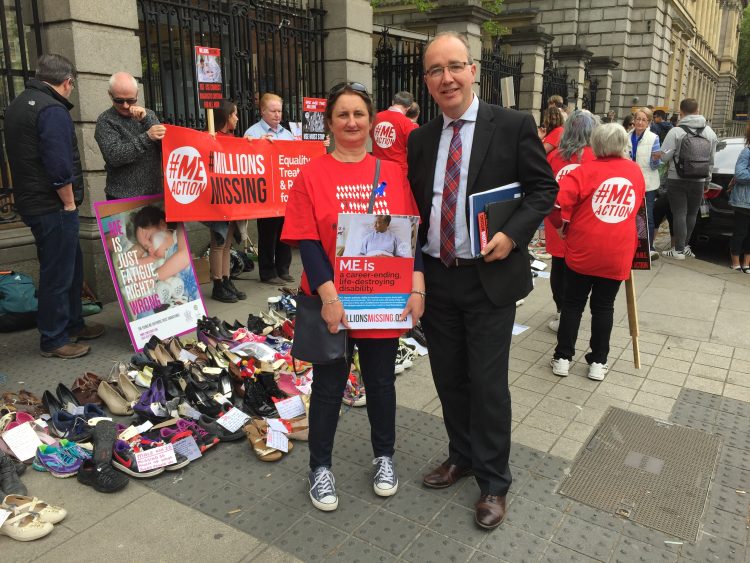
<point>654,473</point>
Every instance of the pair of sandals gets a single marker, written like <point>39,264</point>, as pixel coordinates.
<point>30,519</point>
<point>23,401</point>
<point>256,431</point>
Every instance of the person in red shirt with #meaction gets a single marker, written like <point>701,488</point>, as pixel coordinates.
<point>598,203</point>
<point>574,149</point>
<point>391,129</point>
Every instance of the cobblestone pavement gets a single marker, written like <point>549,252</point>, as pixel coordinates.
<point>228,506</point>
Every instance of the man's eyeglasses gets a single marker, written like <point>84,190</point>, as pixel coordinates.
<point>453,68</point>
<point>356,86</point>
<point>121,101</point>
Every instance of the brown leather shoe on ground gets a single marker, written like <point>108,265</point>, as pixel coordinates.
<point>444,475</point>
<point>489,512</point>
<point>88,332</point>
<point>273,281</point>
<point>67,351</point>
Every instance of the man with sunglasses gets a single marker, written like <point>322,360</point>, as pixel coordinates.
<point>129,137</point>
<point>471,301</point>
<point>47,190</point>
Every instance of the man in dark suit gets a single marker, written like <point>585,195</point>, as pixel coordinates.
<point>470,306</point>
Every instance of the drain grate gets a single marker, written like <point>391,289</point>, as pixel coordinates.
<point>651,472</point>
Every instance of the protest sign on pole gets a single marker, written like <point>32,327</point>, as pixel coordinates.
<point>151,268</point>
<point>633,318</point>
<point>313,119</point>
<point>642,257</point>
<point>229,178</point>
<point>374,265</point>
<point>208,76</point>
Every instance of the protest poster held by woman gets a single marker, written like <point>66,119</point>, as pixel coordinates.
<point>342,182</point>
<point>573,150</point>
<point>224,232</point>
<point>598,203</point>
<point>645,150</point>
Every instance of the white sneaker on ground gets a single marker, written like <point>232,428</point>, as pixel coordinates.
<point>560,366</point>
<point>519,302</point>
<point>654,255</point>
<point>598,371</point>
<point>385,480</point>
<point>673,253</point>
<point>554,324</point>
<point>688,252</point>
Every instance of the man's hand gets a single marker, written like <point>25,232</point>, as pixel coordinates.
<point>498,248</point>
<point>137,112</point>
<point>156,132</point>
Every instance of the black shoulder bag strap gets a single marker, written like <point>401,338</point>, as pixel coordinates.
<point>374,187</point>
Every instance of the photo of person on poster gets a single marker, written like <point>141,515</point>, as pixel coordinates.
<point>388,236</point>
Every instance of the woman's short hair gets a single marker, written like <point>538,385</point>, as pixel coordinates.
<point>577,133</point>
<point>647,112</point>
<point>222,113</point>
<point>348,88</point>
<point>269,97</point>
<point>609,139</point>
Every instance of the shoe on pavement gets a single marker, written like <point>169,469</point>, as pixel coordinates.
<point>673,253</point>
<point>598,371</point>
<point>222,293</point>
<point>67,351</point>
<point>9,481</point>
<point>229,285</point>
<point>274,281</point>
<point>88,332</point>
<point>655,254</point>
<point>554,324</point>
<point>45,511</point>
<point>385,480</point>
<point>323,489</point>
<point>25,526</point>
<point>560,366</point>
<point>688,252</point>
<point>102,477</point>
<point>287,277</point>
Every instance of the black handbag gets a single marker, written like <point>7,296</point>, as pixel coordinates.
<point>313,342</point>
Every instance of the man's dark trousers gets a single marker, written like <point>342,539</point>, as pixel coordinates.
<point>475,397</point>
<point>60,276</point>
<point>274,257</point>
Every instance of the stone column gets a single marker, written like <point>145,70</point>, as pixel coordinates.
<point>530,43</point>
<point>600,69</point>
<point>100,39</point>
<point>348,45</point>
<point>574,59</point>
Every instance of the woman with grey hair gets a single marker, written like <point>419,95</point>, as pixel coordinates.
<point>574,150</point>
<point>596,216</point>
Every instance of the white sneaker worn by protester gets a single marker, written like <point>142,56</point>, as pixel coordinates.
<point>560,366</point>
<point>688,252</point>
<point>598,371</point>
<point>554,324</point>
<point>673,253</point>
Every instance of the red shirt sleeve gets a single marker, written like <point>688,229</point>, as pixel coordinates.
<point>570,193</point>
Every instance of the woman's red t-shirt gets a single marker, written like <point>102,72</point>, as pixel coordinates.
<point>601,199</point>
<point>555,245</point>
<point>553,137</point>
<point>326,187</point>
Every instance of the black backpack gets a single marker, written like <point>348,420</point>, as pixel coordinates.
<point>695,155</point>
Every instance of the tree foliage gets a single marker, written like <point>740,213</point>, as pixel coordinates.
<point>743,55</point>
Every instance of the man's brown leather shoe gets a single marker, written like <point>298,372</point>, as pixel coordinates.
<point>67,351</point>
<point>444,475</point>
<point>88,332</point>
<point>489,511</point>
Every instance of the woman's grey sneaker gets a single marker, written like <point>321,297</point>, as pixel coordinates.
<point>323,489</point>
<point>385,481</point>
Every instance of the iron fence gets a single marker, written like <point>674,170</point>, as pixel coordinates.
<point>590,93</point>
<point>397,67</point>
<point>21,46</point>
<point>266,46</point>
<point>497,65</point>
<point>554,80</point>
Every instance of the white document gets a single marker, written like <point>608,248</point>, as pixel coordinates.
<point>289,408</point>
<point>233,419</point>
<point>277,440</point>
<point>22,441</point>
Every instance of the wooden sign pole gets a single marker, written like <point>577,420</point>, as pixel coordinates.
<point>633,318</point>
<point>210,121</point>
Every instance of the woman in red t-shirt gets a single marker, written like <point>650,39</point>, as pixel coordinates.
<point>573,150</point>
<point>598,204</point>
<point>329,185</point>
<point>553,125</point>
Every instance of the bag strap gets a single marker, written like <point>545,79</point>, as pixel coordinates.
<point>374,187</point>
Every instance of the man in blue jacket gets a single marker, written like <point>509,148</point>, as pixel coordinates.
<point>47,190</point>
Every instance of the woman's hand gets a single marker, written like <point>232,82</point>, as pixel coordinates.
<point>333,315</point>
<point>415,308</point>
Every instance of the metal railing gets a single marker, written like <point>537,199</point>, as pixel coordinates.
<point>20,32</point>
<point>497,65</point>
<point>266,46</point>
<point>554,80</point>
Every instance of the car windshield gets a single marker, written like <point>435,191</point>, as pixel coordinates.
<point>726,156</point>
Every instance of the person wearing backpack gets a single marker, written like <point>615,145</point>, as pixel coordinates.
<point>689,149</point>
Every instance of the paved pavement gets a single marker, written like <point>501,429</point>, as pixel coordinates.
<point>228,506</point>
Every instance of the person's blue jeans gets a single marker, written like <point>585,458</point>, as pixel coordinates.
<point>650,200</point>
<point>60,276</point>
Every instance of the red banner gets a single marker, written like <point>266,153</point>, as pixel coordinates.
<point>229,178</point>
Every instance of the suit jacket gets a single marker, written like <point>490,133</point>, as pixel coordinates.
<point>506,148</point>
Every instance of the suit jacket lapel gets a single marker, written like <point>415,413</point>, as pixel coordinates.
<point>432,141</point>
<point>483,131</point>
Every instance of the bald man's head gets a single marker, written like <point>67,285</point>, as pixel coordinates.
<point>123,89</point>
